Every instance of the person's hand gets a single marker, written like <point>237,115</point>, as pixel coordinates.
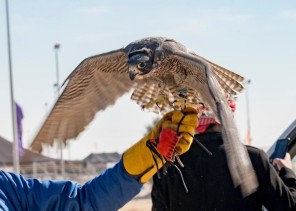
<point>286,162</point>
<point>172,134</point>
<point>177,132</point>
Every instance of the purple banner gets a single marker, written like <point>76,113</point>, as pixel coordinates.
<point>19,118</point>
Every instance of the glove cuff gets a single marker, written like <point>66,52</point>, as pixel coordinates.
<point>139,163</point>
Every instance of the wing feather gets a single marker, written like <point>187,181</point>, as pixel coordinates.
<point>94,85</point>
<point>230,81</point>
<point>225,71</point>
<point>229,85</point>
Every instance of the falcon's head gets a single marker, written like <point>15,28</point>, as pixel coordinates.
<point>143,55</point>
<point>140,63</point>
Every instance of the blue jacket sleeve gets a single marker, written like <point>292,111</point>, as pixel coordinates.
<point>108,191</point>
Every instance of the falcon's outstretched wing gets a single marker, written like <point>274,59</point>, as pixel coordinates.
<point>196,80</point>
<point>212,83</point>
<point>95,84</point>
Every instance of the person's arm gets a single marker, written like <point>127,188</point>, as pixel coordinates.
<point>285,171</point>
<point>289,178</point>
<point>113,188</point>
<point>274,190</point>
<point>108,191</point>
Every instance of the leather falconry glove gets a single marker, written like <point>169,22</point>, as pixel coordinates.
<point>172,135</point>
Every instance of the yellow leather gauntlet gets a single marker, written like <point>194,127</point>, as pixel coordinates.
<point>141,162</point>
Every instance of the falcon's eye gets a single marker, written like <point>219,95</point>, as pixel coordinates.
<point>141,65</point>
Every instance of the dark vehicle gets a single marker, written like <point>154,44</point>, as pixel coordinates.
<point>290,135</point>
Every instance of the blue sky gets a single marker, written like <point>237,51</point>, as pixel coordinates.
<point>256,39</point>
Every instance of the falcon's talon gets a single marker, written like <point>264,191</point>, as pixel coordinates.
<point>158,107</point>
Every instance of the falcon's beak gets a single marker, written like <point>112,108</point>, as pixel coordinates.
<point>132,74</point>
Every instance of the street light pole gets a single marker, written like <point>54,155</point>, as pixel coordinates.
<point>57,85</point>
<point>16,164</point>
<point>248,135</point>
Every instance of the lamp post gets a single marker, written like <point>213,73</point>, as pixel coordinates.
<point>57,85</point>
<point>248,135</point>
<point>16,164</point>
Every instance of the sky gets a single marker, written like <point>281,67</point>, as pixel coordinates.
<point>256,39</point>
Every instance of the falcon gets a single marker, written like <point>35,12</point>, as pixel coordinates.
<point>162,75</point>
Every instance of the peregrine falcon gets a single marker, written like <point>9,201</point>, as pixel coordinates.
<point>162,75</point>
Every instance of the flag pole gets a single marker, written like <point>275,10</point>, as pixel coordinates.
<point>16,165</point>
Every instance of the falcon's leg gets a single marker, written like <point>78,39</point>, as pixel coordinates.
<point>178,104</point>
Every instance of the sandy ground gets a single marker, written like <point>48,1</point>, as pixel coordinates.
<point>142,202</point>
<point>137,205</point>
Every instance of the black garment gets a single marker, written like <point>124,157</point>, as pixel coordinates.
<point>210,186</point>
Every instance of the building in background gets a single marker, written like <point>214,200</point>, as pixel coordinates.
<point>42,167</point>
